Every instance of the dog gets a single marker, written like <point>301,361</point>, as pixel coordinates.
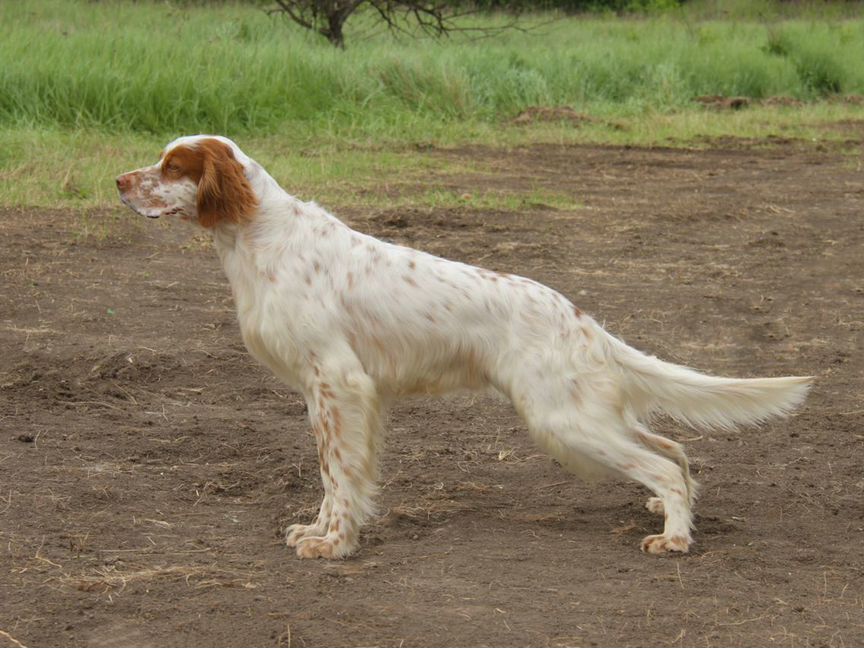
<point>352,323</point>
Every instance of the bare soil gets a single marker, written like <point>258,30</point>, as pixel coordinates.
<point>148,467</point>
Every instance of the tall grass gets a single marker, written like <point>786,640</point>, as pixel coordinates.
<point>158,68</point>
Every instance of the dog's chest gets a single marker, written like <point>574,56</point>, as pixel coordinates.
<point>273,344</point>
<point>263,313</point>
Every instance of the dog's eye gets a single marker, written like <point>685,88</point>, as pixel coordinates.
<point>172,168</point>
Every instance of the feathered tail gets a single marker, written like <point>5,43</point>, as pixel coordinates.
<point>699,400</point>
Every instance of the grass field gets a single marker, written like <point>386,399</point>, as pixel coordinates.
<point>88,88</point>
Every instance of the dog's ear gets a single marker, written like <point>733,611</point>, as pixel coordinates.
<point>224,193</point>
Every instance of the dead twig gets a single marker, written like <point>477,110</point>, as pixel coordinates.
<point>6,635</point>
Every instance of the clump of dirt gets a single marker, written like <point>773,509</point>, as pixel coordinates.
<point>723,103</point>
<point>534,114</point>
<point>783,102</point>
<point>852,100</point>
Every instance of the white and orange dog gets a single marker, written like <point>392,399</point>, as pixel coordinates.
<point>352,323</point>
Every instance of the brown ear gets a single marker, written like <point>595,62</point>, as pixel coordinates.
<point>224,193</point>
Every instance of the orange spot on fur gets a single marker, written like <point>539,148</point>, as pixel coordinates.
<point>576,392</point>
<point>337,424</point>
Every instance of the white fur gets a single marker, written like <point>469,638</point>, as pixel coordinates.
<point>352,322</point>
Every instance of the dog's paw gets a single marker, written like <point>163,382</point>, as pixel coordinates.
<point>330,546</point>
<point>655,505</point>
<point>660,544</point>
<point>296,532</point>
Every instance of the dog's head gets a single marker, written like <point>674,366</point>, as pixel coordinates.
<point>202,178</point>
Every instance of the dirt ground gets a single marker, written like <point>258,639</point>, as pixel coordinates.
<point>148,466</point>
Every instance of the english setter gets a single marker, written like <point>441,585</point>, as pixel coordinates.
<point>352,323</point>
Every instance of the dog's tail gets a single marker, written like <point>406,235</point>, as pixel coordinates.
<point>652,385</point>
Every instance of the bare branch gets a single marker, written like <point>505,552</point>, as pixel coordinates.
<point>435,18</point>
<point>286,7</point>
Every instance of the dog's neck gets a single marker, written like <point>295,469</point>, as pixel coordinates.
<point>282,227</point>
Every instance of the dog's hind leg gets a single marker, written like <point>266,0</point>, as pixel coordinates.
<point>671,450</point>
<point>591,434</point>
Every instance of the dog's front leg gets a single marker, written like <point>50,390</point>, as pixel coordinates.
<point>345,415</point>
<point>296,532</point>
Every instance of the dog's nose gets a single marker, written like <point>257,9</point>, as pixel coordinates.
<point>123,182</point>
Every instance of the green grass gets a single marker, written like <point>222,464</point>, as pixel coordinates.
<point>156,68</point>
<point>90,89</point>
<point>76,168</point>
